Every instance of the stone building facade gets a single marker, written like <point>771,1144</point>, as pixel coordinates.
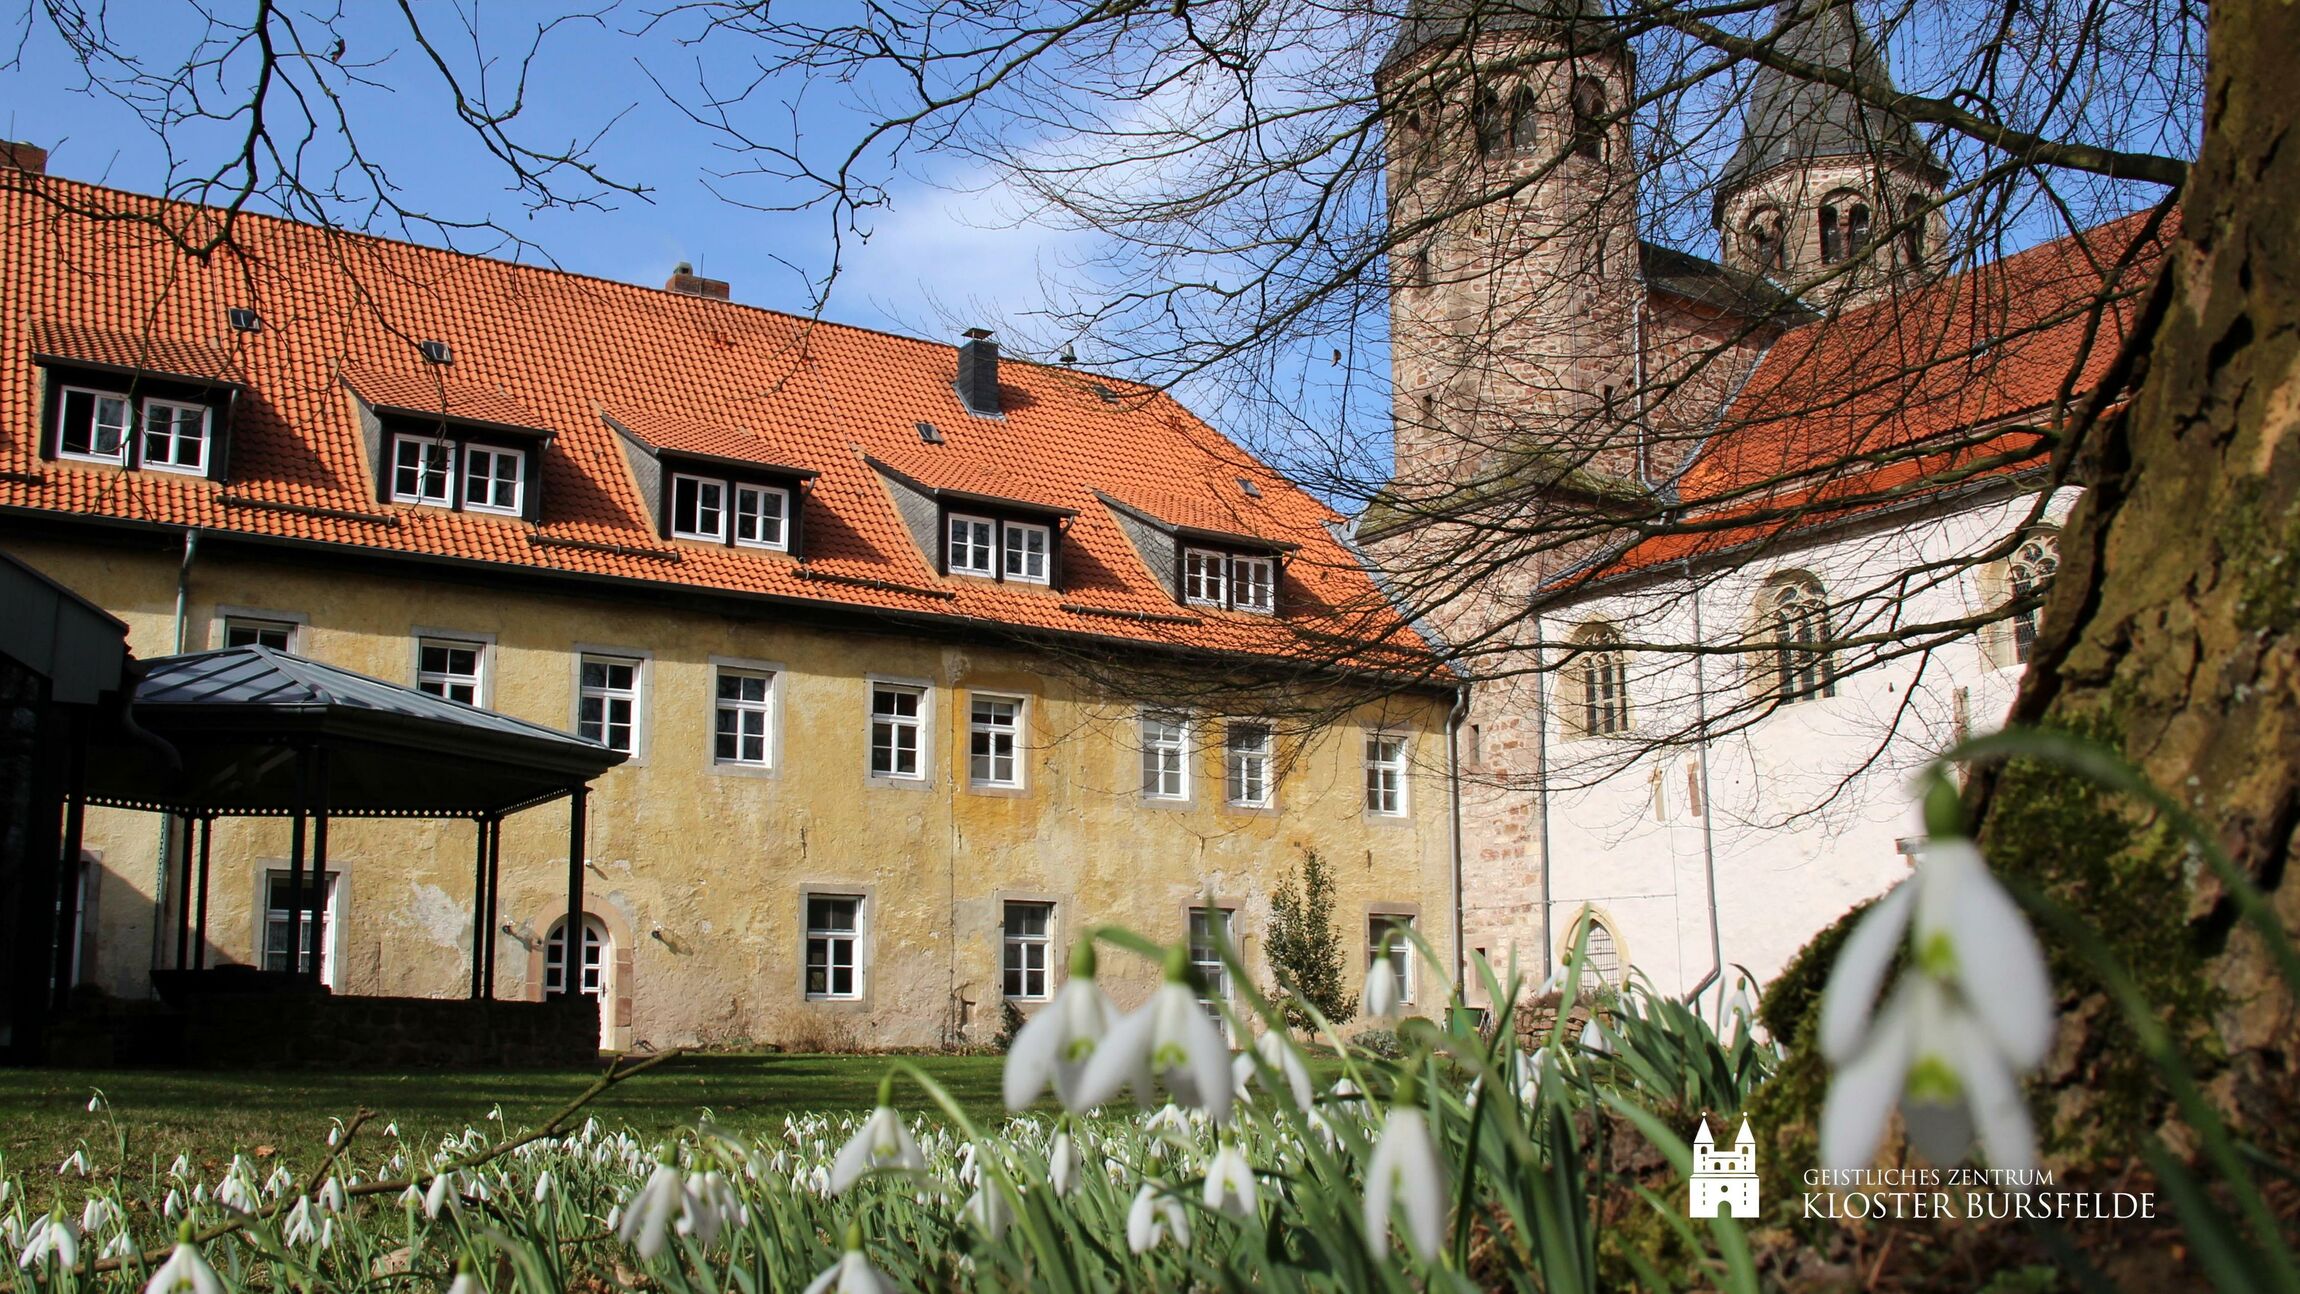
<point>829,588</point>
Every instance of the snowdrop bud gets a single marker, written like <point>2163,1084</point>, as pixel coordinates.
<point>647,1215</point>
<point>1406,1171</point>
<point>435,1198</point>
<point>1063,1164</point>
<point>882,1142</point>
<point>1382,993</point>
<point>331,1197</point>
<point>1595,1040</point>
<point>852,1273</point>
<point>987,1209</point>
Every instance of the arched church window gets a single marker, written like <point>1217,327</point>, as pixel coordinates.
<point>1522,121</point>
<point>1832,236</point>
<point>1486,121</point>
<point>2027,575</point>
<point>1762,237</point>
<point>1857,225</point>
<point>1793,615</point>
<point>1913,233</point>
<point>1600,948</point>
<point>1597,682</point>
<point>1589,110</point>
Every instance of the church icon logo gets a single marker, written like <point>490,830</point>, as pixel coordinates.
<point>1724,1179</point>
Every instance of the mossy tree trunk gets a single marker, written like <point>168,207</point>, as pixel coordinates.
<point>2175,622</point>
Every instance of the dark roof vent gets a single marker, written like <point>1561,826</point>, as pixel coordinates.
<point>687,283</point>
<point>28,158</point>
<point>1252,490</point>
<point>930,433</point>
<point>245,320</point>
<point>977,383</point>
<point>437,352</point>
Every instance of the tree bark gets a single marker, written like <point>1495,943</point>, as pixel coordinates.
<point>2175,620</point>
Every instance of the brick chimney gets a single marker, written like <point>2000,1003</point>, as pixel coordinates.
<point>686,282</point>
<point>977,383</point>
<point>15,156</point>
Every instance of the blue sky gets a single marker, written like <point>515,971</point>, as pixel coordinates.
<point>932,244</point>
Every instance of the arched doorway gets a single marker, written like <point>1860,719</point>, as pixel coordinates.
<point>595,972</point>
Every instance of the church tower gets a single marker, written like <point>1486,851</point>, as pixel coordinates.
<point>1828,194</point>
<point>1512,202</point>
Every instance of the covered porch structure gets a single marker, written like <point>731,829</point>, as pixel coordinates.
<point>254,732</point>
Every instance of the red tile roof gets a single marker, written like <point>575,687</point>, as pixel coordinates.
<point>561,352</point>
<point>1883,401</point>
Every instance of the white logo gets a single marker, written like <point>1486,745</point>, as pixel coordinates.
<point>1724,1178</point>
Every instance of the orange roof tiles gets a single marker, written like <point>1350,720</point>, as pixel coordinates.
<point>555,351</point>
<point>105,348</point>
<point>1878,403</point>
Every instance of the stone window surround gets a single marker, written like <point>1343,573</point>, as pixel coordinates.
<point>1410,913</point>
<point>643,712</point>
<point>865,946</point>
<point>337,906</point>
<point>416,634</point>
<point>926,733</point>
<point>777,672</point>
<point>299,623</point>
<point>1057,952</point>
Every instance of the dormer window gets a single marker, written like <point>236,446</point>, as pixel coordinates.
<point>1027,547</point>
<point>1254,584</point>
<point>95,426</point>
<point>719,510</point>
<point>441,472</point>
<point>973,546</point>
<point>1205,577</point>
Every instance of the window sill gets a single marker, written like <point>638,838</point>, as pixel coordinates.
<point>1269,810</point>
<point>892,783</point>
<point>756,772</point>
<point>995,791</point>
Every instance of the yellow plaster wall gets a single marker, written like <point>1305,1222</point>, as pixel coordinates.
<point>697,870</point>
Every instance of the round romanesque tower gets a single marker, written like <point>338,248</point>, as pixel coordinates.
<point>1514,255</point>
<point>1831,194</point>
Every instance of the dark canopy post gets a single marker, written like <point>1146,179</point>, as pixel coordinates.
<point>571,937</point>
<point>479,910</point>
<point>317,934</point>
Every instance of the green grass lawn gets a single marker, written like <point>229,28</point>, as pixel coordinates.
<point>44,1114</point>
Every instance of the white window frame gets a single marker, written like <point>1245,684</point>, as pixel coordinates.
<point>1012,546</point>
<point>495,455</point>
<point>981,536</point>
<point>607,695</point>
<point>1165,741</point>
<point>260,623</point>
<point>1386,758</point>
<point>720,510</point>
<point>427,679</point>
<point>742,707</point>
<point>331,923</point>
<point>832,938</point>
<point>1265,587</point>
<point>591,975</point>
<point>915,723</point>
<point>1238,760</point>
<point>978,729</point>
<point>1205,577</point>
<point>1206,953</point>
<point>743,491</point>
<point>198,467</point>
<point>447,472</point>
<point>1402,957</point>
<point>1018,951</point>
<point>129,429</point>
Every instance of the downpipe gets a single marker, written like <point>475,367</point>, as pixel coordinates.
<point>168,820</point>
<point>1708,805</point>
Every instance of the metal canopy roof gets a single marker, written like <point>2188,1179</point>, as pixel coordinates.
<point>239,717</point>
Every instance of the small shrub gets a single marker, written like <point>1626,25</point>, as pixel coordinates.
<point>1305,949</point>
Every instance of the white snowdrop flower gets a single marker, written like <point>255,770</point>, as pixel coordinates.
<point>1321,1128</point>
<point>280,1180</point>
<point>1054,1045</point>
<point>882,1142</point>
<point>1741,1009</point>
<point>1154,1216</point>
<point>436,1198</point>
<point>74,1165</point>
<point>51,1236</point>
<point>988,1210</point>
<point>184,1271</point>
<point>1171,1040</point>
<point>391,1129</point>
<point>543,1184</point>
<point>1277,1051</point>
<point>1406,1171</point>
<point>96,1101</point>
<point>1973,1013</point>
<point>967,1174</point>
<point>119,1246</point>
<point>477,1187</point>
<point>464,1282</point>
<point>335,1135</point>
<point>1344,1090</point>
<point>1383,994</point>
<point>852,1273</point>
<point>179,1167</point>
<point>648,1214</point>
<point>98,1213</point>
<point>199,1194</point>
<point>173,1205</point>
<point>1063,1163</point>
<point>1168,1121</point>
<point>1230,1182</point>
<point>299,1229</point>
<point>1595,1040</point>
<point>819,1180</point>
<point>331,1197</point>
<point>235,1193</point>
<point>1554,984</point>
<point>411,1199</point>
<point>709,1205</point>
